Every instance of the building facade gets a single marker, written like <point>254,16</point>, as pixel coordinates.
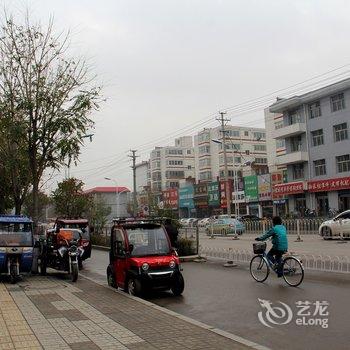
<point>314,128</point>
<point>171,165</point>
<point>142,176</point>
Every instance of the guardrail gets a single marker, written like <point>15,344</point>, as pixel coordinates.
<point>314,262</point>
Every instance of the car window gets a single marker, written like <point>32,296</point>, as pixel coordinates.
<point>344,216</point>
<point>119,243</point>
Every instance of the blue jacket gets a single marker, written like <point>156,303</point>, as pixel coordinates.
<point>279,237</point>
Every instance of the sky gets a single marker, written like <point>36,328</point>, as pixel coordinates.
<point>168,66</point>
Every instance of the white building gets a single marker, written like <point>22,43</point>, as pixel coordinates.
<point>243,145</point>
<point>172,164</point>
<point>142,175</point>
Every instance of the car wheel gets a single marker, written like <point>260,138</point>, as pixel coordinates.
<point>178,286</point>
<point>111,279</point>
<point>326,233</point>
<point>134,287</point>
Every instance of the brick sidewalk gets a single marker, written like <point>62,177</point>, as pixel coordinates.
<point>51,313</point>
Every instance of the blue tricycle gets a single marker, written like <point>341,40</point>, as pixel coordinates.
<point>16,245</point>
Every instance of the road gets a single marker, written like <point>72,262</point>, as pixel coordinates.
<point>228,298</point>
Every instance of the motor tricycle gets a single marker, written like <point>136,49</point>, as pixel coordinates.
<point>141,258</point>
<point>83,226</point>
<point>61,250</point>
<point>16,245</point>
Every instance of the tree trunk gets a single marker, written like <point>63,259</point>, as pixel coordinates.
<point>35,194</point>
<point>18,206</point>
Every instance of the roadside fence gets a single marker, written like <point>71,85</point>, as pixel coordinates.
<point>314,262</point>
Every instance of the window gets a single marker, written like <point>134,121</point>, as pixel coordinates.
<point>259,147</point>
<point>247,152</point>
<point>204,162</point>
<point>175,162</point>
<point>279,124</point>
<point>340,132</point>
<point>259,135</point>
<point>205,137</point>
<point>280,143</point>
<point>246,133</point>
<point>233,133</point>
<point>119,243</point>
<point>173,184</point>
<point>238,160</point>
<point>343,163</point>
<point>298,171</point>
<point>320,167</point>
<point>295,144</point>
<point>171,174</point>
<point>314,110</point>
<point>261,160</point>
<point>317,137</point>
<point>189,167</point>
<point>206,175</point>
<point>156,176</point>
<point>294,117</point>
<point>189,151</point>
<point>232,146</point>
<point>204,149</point>
<point>337,102</point>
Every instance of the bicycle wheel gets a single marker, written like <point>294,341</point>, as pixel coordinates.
<point>293,271</point>
<point>259,269</point>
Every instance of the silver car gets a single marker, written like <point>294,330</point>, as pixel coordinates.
<point>339,226</point>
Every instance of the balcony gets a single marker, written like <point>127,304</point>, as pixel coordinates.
<point>289,130</point>
<point>291,158</point>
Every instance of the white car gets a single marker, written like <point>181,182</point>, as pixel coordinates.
<point>333,227</point>
<point>203,222</point>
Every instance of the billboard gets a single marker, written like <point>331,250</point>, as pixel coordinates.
<point>186,194</point>
<point>251,188</point>
<point>214,194</point>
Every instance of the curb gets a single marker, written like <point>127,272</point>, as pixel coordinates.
<point>192,321</point>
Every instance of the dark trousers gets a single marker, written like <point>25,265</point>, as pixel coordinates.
<point>275,256</point>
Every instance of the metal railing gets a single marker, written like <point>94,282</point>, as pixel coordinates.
<point>316,262</point>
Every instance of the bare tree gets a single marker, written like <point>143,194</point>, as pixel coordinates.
<point>48,93</point>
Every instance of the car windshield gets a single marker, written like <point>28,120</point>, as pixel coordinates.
<point>15,234</point>
<point>148,241</point>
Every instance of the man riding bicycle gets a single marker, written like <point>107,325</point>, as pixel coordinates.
<point>279,242</point>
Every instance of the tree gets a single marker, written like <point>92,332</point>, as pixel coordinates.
<point>47,93</point>
<point>28,207</point>
<point>69,199</point>
<point>98,214</point>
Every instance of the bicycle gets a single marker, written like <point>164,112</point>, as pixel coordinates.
<point>260,265</point>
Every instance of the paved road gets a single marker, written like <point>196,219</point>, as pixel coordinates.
<point>227,298</point>
<point>311,244</point>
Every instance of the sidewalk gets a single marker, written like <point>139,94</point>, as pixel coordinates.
<point>51,313</point>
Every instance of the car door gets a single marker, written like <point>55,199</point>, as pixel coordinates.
<point>120,257</point>
<point>345,223</point>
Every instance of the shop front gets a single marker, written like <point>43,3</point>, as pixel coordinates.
<point>201,200</point>
<point>296,196</point>
<point>280,202</point>
<point>251,194</point>
<point>265,195</point>
<point>331,194</point>
<point>186,202</point>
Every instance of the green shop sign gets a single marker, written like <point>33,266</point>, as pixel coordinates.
<point>214,194</point>
<point>251,188</point>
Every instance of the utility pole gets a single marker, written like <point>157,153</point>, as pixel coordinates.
<point>133,156</point>
<point>222,120</point>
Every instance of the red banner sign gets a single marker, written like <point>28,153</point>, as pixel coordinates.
<point>171,198</point>
<point>223,200</point>
<point>288,188</point>
<point>342,183</point>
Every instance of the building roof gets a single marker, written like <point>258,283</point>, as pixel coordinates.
<point>283,104</point>
<point>107,189</point>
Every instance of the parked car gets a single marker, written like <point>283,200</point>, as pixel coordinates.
<point>248,217</point>
<point>225,226</point>
<point>141,259</point>
<point>332,228</point>
<point>203,222</point>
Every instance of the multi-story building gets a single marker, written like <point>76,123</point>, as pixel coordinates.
<point>314,127</point>
<point>171,165</point>
<point>142,175</point>
<point>243,144</point>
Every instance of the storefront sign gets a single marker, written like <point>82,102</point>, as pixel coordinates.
<point>251,188</point>
<point>223,199</point>
<point>186,197</point>
<point>201,195</point>
<point>264,187</point>
<point>278,177</point>
<point>170,198</point>
<point>238,197</point>
<point>289,188</point>
<point>213,194</point>
<point>342,183</point>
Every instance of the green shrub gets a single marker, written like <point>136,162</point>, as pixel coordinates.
<point>100,240</point>
<point>186,247</point>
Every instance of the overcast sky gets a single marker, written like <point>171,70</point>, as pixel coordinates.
<point>166,65</point>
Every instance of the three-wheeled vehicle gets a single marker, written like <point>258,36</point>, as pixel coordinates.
<point>61,250</point>
<point>83,225</point>
<point>16,245</point>
<point>141,258</point>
